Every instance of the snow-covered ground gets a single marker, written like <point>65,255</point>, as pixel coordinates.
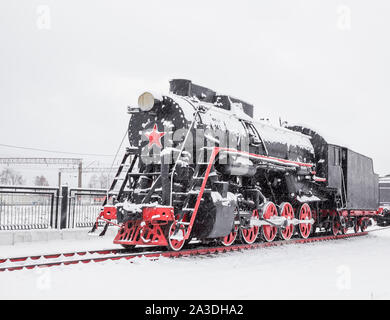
<point>23,249</point>
<point>342,269</point>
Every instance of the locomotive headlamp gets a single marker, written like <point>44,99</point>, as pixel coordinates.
<point>148,100</point>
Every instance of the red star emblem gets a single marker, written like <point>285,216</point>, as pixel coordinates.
<point>155,137</point>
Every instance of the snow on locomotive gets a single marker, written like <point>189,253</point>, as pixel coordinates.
<point>201,167</point>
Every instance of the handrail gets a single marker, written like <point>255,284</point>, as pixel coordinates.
<point>196,114</point>
<point>343,196</point>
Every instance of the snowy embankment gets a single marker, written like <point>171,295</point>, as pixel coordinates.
<point>341,269</point>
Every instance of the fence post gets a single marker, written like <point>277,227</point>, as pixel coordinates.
<point>64,207</point>
<point>57,207</point>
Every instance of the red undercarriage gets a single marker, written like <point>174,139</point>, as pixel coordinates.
<point>351,213</point>
<point>149,230</point>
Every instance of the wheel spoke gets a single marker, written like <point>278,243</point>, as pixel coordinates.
<point>249,235</point>
<point>305,214</point>
<point>286,211</point>
<point>268,231</point>
<point>175,244</point>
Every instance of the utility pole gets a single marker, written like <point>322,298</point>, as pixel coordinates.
<point>59,179</point>
<point>80,174</point>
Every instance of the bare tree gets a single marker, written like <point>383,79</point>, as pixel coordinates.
<point>11,177</point>
<point>104,181</point>
<point>41,181</point>
<point>93,182</point>
<point>99,182</point>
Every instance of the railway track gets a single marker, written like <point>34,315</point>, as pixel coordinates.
<point>71,258</point>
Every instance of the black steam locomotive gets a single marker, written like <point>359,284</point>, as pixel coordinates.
<point>201,167</point>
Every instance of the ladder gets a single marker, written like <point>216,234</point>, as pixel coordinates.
<point>196,191</point>
<point>120,176</point>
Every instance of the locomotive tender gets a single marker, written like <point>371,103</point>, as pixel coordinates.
<point>201,167</point>
<point>384,201</point>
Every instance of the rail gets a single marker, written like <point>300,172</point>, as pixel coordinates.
<point>71,258</point>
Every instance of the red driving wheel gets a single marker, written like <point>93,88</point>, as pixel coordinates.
<point>269,232</point>
<point>249,235</point>
<point>231,237</point>
<point>304,213</point>
<point>286,210</point>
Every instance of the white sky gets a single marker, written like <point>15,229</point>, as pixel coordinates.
<point>67,87</point>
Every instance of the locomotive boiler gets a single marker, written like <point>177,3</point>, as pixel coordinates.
<point>201,167</point>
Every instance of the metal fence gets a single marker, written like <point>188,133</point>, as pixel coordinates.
<point>84,206</point>
<point>26,208</point>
